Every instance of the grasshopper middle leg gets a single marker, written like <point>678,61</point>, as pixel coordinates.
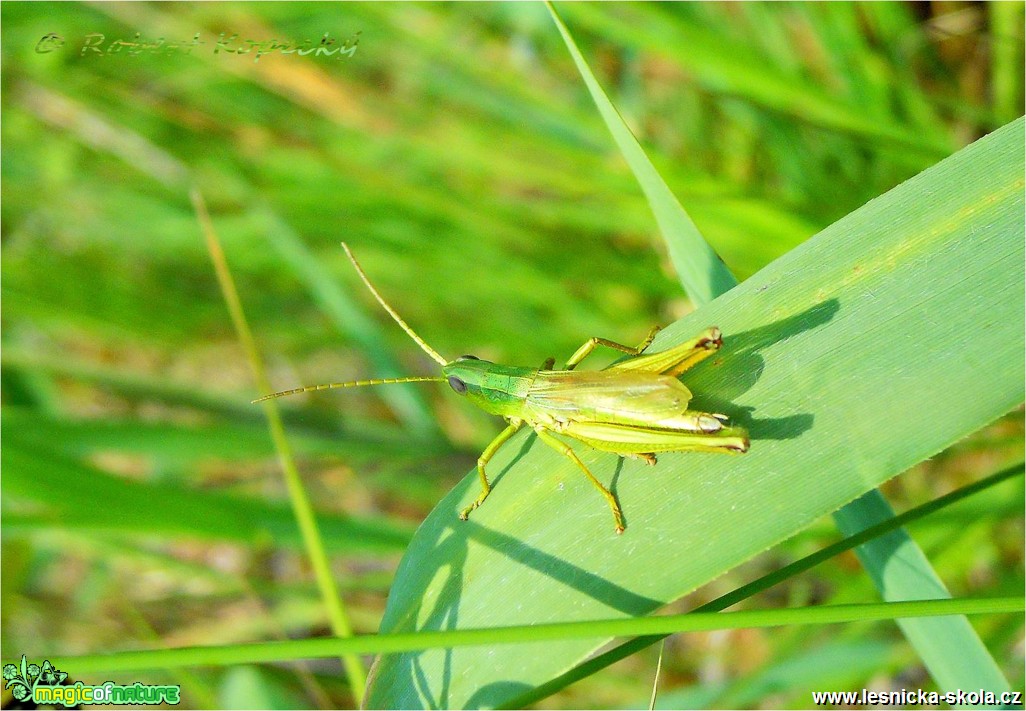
<point>485,457</point>
<point>567,451</point>
<point>590,345</point>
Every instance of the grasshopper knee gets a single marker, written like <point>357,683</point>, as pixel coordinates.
<point>481,474</point>
<point>567,451</point>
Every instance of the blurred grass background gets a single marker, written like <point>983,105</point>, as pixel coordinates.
<point>458,152</point>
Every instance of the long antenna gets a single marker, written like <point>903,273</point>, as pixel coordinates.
<point>352,384</point>
<point>391,312</point>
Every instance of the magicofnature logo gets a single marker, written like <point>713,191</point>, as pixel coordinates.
<point>44,684</point>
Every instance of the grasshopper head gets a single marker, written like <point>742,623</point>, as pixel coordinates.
<point>498,389</point>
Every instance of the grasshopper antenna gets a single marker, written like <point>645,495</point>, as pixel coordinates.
<point>352,384</point>
<point>391,312</point>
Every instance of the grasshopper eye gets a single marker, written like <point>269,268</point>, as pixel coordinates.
<point>457,384</point>
<point>468,357</point>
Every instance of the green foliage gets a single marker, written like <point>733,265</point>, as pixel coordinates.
<point>818,370</point>
<point>459,153</point>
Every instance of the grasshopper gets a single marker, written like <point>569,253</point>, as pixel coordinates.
<point>635,408</point>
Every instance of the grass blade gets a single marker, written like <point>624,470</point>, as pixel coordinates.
<point>949,646</point>
<point>703,273</point>
<point>67,493</point>
<point>406,401</point>
<point>662,624</point>
<point>730,67</point>
<point>301,506</point>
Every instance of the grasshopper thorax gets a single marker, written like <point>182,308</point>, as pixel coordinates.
<point>498,389</point>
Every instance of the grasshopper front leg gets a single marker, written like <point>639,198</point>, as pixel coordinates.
<point>485,457</point>
<point>590,345</point>
<point>568,452</point>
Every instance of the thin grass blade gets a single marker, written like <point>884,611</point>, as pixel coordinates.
<point>301,505</point>
<point>703,273</point>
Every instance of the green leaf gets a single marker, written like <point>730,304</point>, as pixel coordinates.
<point>247,687</point>
<point>175,443</point>
<point>704,275</point>
<point>65,493</point>
<point>950,648</point>
<point>764,582</point>
<point>731,67</point>
<point>882,340</point>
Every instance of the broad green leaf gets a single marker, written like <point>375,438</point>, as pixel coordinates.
<point>622,651</point>
<point>951,650</point>
<point>882,340</point>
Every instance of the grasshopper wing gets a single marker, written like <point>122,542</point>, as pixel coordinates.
<point>607,396</point>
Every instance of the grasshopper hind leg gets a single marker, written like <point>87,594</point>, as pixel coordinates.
<point>567,451</point>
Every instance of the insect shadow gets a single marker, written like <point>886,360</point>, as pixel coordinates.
<point>450,545</point>
<point>450,538</point>
<point>742,351</point>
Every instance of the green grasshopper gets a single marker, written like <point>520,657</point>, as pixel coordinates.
<point>634,408</point>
